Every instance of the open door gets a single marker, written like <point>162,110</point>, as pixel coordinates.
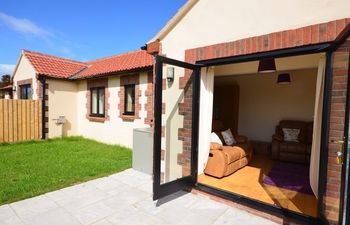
<point>175,126</point>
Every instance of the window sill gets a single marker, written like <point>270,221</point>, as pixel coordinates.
<point>128,117</point>
<point>96,119</point>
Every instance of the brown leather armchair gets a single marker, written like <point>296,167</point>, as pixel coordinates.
<point>225,160</point>
<point>293,151</point>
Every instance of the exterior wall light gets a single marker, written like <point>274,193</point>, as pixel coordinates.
<point>170,74</point>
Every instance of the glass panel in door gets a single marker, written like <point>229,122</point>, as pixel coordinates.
<point>176,126</point>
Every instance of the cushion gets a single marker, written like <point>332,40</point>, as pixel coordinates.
<point>294,124</point>
<point>228,137</point>
<point>215,139</point>
<point>291,134</point>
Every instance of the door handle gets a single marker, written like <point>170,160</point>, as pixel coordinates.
<point>337,141</point>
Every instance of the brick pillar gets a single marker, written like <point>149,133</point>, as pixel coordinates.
<point>46,121</point>
<point>340,71</point>
<point>149,96</point>
<point>185,133</point>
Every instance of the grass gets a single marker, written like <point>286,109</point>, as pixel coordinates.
<point>32,168</point>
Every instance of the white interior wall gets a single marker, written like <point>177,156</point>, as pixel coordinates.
<point>263,102</point>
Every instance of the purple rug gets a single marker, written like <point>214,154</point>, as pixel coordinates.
<point>290,176</point>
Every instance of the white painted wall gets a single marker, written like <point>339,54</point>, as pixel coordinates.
<point>115,130</point>
<point>263,102</point>
<point>24,71</point>
<point>63,100</point>
<point>210,22</point>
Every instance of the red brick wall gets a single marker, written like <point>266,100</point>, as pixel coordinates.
<point>126,80</point>
<point>340,71</point>
<point>149,97</point>
<point>185,133</point>
<point>103,82</point>
<point>314,34</point>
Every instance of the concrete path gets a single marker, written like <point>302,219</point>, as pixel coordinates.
<point>122,198</point>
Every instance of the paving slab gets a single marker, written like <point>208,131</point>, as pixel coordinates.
<point>122,198</point>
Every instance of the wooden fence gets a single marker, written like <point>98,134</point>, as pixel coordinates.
<point>20,120</point>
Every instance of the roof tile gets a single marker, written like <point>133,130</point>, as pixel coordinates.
<point>53,66</point>
<point>118,63</point>
<point>57,67</point>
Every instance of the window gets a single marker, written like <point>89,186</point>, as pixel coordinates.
<point>129,106</point>
<point>26,91</point>
<point>97,102</point>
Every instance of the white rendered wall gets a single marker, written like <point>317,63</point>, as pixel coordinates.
<point>63,100</point>
<point>114,130</point>
<point>211,22</point>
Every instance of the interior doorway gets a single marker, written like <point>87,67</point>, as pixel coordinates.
<point>261,110</point>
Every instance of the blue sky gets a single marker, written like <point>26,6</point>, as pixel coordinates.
<point>77,29</point>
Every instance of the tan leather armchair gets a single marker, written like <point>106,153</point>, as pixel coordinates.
<point>225,160</point>
<point>293,151</point>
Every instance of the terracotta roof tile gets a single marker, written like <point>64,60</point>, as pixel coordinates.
<point>58,67</point>
<point>53,66</point>
<point>118,63</point>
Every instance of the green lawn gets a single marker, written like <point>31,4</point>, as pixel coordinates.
<point>32,168</point>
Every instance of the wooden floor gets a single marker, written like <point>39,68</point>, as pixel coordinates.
<point>248,182</point>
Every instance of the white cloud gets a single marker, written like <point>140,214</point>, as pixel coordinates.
<point>28,28</point>
<point>6,69</point>
<point>24,26</point>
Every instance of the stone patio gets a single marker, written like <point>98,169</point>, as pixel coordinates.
<point>122,198</point>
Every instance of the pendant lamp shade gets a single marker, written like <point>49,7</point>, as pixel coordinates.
<point>283,78</point>
<point>267,65</point>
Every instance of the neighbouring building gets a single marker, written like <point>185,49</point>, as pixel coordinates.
<point>6,92</point>
<point>103,99</point>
